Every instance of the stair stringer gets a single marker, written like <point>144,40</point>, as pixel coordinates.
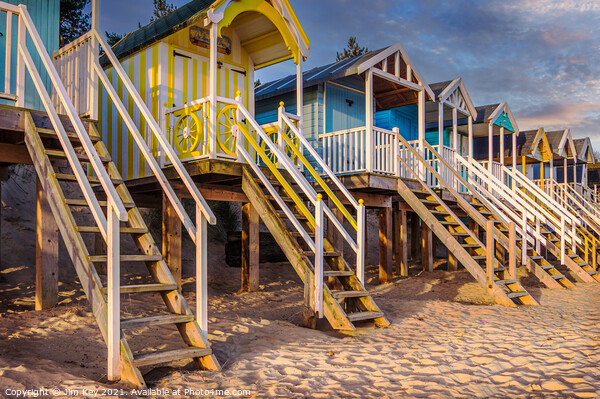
<point>570,263</point>
<point>452,244</point>
<point>290,247</point>
<point>86,271</point>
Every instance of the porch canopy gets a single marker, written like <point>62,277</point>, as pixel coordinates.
<point>492,120</point>
<point>452,103</point>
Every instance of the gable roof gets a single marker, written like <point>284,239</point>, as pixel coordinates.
<point>335,70</point>
<point>445,91</point>
<point>491,113</point>
<point>560,141</point>
<point>584,146</point>
<point>530,142</point>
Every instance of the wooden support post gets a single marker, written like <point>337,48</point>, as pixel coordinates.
<point>113,293</point>
<point>414,236</point>
<point>490,252</point>
<point>452,262</point>
<point>474,227</point>
<point>490,146</point>
<point>470,132</point>
<point>250,248</point>
<point>512,251</point>
<point>201,272</point>
<point>426,247</point>
<point>333,234</point>
<point>171,239</point>
<point>385,245</point>
<point>46,253</point>
<point>400,242</point>
<point>524,165</point>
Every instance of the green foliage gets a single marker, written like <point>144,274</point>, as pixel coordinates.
<point>161,8</point>
<point>73,21</point>
<point>112,37</point>
<point>352,50</point>
<point>257,83</point>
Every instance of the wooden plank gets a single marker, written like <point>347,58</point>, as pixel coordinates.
<point>137,322</point>
<point>385,245</point>
<point>426,247</point>
<point>46,248</point>
<point>250,248</point>
<point>171,239</point>
<point>148,359</point>
<point>452,262</point>
<point>12,153</point>
<point>333,234</point>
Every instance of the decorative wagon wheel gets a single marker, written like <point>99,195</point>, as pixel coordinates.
<point>288,150</point>
<point>187,133</point>
<point>226,121</point>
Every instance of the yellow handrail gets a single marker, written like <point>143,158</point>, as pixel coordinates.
<point>320,181</point>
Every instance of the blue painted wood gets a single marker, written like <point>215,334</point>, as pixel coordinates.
<point>344,109</point>
<point>45,15</point>
<point>503,120</point>
<point>404,118</point>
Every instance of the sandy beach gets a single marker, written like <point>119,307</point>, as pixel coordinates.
<point>447,338</point>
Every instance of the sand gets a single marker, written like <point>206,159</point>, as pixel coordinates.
<point>447,338</point>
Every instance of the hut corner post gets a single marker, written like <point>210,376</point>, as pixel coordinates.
<point>46,257</point>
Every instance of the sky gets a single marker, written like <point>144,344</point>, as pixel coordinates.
<point>540,56</point>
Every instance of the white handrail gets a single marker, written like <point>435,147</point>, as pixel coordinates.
<point>84,138</point>
<point>161,139</point>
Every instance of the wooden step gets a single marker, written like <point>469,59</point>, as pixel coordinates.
<point>137,322</point>
<point>125,230</point>
<point>297,234</point>
<point>479,257</point>
<point>325,253</point>
<point>348,294</point>
<point>436,212</point>
<point>91,179</point>
<point>82,157</point>
<point>465,245</point>
<point>516,294</point>
<point>536,257</point>
<point>82,202</point>
<point>557,276</point>
<point>127,258</point>
<point>460,233</point>
<point>364,316</point>
<point>150,358</point>
<point>572,256</point>
<point>430,202</point>
<point>505,282</point>
<point>298,216</point>
<point>547,267</point>
<point>154,287</point>
<point>582,264</point>
<point>338,273</point>
<point>50,133</point>
<point>449,223</point>
<point>499,269</point>
<point>285,199</point>
<point>554,240</point>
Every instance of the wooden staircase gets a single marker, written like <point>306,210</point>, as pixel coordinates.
<point>536,264</point>
<point>57,178</point>
<point>464,245</point>
<point>345,299</point>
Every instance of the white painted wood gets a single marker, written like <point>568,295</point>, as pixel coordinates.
<point>113,295</point>
<point>161,138</point>
<point>514,151</point>
<point>21,42</point>
<point>360,239</point>
<point>369,150</point>
<point>397,64</point>
<point>470,138</point>
<point>300,99</point>
<point>502,145</point>
<point>66,143</point>
<point>201,272</point>
<point>212,90</point>
<point>8,52</point>
<point>319,260</point>
<point>421,129</point>
<point>490,146</point>
<point>490,247</point>
<point>396,80</point>
<point>156,169</point>
<point>441,124</point>
<point>455,129</point>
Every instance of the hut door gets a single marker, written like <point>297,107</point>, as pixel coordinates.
<point>190,78</point>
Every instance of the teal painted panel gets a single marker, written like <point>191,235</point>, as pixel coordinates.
<point>45,15</point>
<point>503,120</point>
<point>405,118</point>
<point>344,109</point>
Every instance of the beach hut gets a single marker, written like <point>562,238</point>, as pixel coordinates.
<point>203,50</point>
<point>352,105</point>
<point>564,154</point>
<point>534,154</point>
<point>585,157</point>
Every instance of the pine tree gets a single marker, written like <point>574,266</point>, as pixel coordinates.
<point>73,21</point>
<point>161,8</point>
<point>352,50</point>
<point>112,37</point>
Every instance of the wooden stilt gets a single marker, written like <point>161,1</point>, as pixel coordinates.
<point>426,247</point>
<point>171,239</point>
<point>452,262</point>
<point>414,235</point>
<point>385,245</point>
<point>100,249</point>
<point>400,242</point>
<point>250,248</point>
<point>333,235</point>
<point>46,253</point>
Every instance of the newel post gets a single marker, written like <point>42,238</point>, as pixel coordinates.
<point>239,137</point>
<point>369,145</point>
<point>113,294</point>
<point>361,225</point>
<point>319,256</point>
